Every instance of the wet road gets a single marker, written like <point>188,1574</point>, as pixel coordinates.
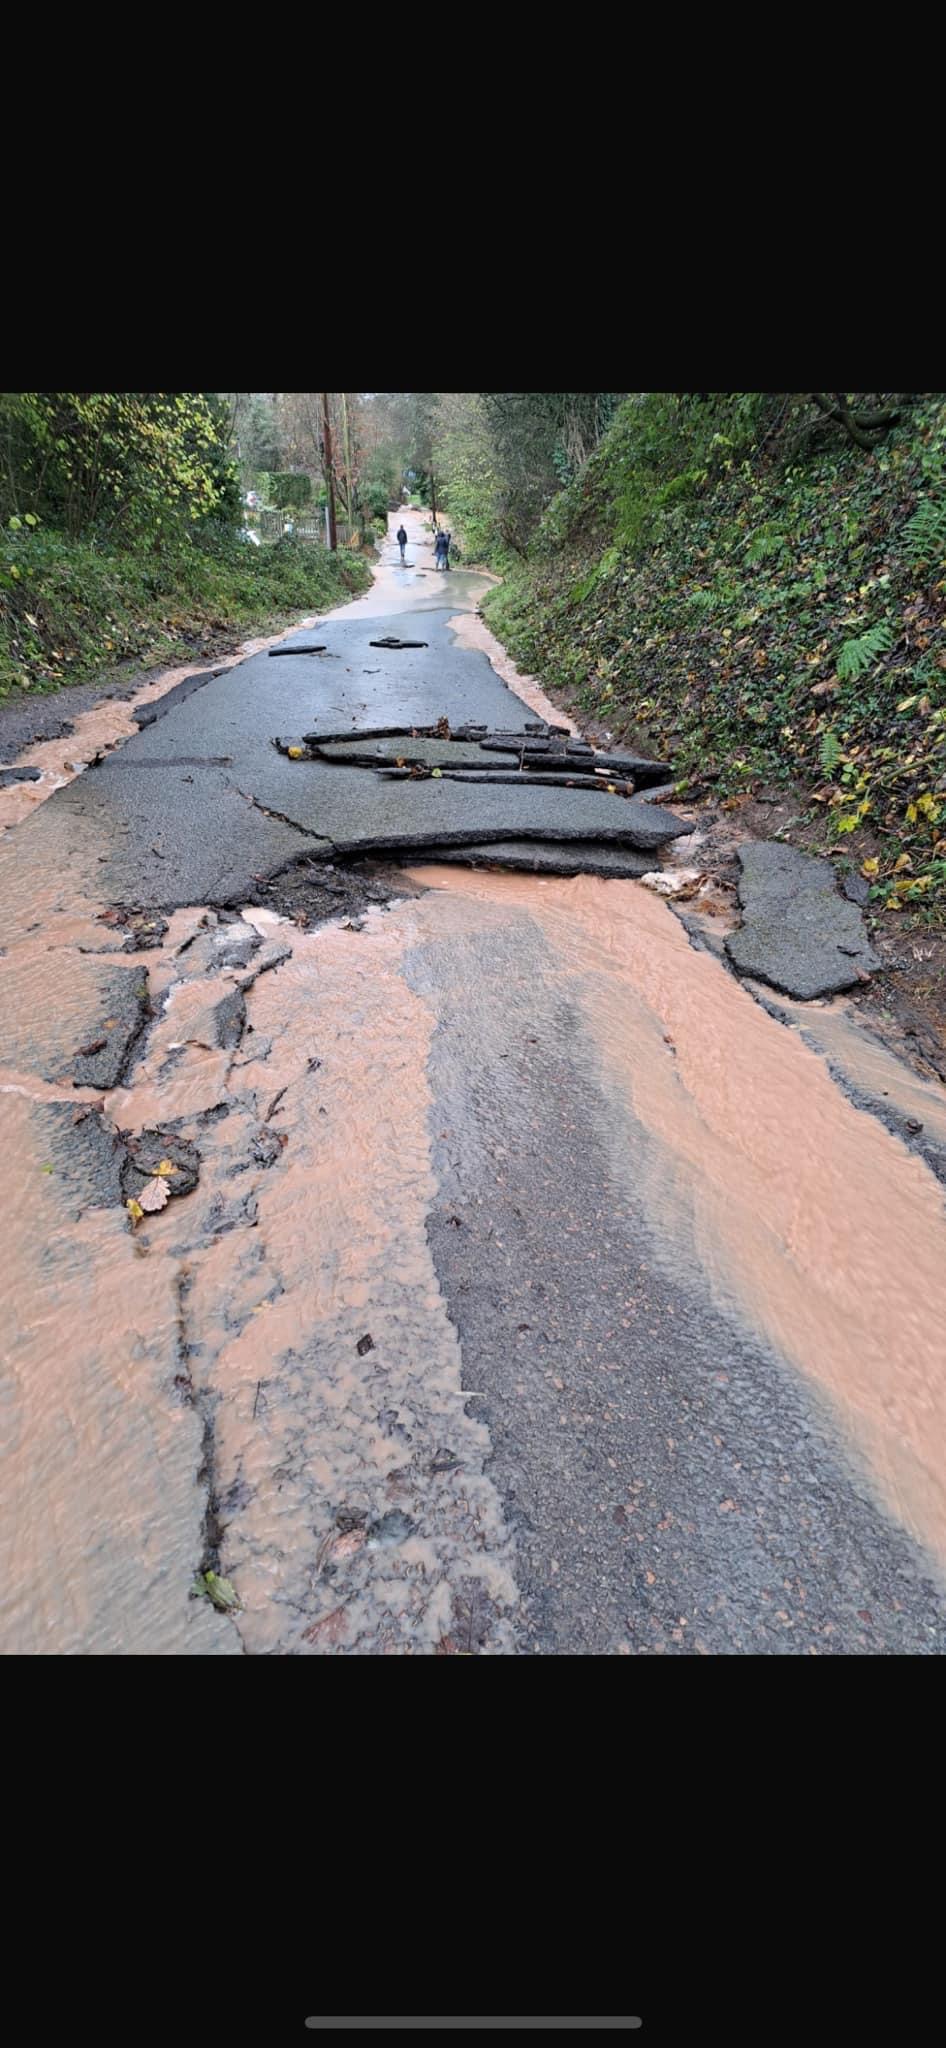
<point>540,1294</point>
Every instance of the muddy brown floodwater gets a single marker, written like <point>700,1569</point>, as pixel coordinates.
<point>817,1224</point>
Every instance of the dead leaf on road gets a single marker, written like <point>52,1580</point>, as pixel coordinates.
<point>330,1629</point>
<point>154,1196</point>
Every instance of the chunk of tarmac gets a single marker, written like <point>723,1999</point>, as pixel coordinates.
<point>363,814</point>
<point>533,857</point>
<point>798,932</point>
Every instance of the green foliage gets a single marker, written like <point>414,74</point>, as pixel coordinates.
<point>469,479</point>
<point>374,500</point>
<point>150,464</point>
<point>860,654</point>
<point>767,546</point>
<point>287,489</point>
<point>925,534</point>
<point>728,618</point>
<point>70,610</point>
<point>830,752</point>
<point>539,440</point>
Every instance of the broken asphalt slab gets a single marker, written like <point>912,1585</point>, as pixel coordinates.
<point>151,714</point>
<point>227,810</point>
<point>178,837</point>
<point>364,814</point>
<point>535,857</point>
<point>111,997</point>
<point>798,933</point>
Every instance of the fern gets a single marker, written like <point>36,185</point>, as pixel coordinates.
<point>766,544</point>
<point>858,655</point>
<point>925,533</point>
<point>830,752</point>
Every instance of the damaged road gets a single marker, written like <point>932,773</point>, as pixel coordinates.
<point>437,1260</point>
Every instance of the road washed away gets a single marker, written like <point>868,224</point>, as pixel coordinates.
<point>483,1270</point>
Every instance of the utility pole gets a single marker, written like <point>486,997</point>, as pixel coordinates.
<point>329,473</point>
<point>351,494</point>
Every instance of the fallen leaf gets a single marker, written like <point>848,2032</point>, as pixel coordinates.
<point>135,1210</point>
<point>219,1591</point>
<point>295,753</point>
<point>166,1167</point>
<point>154,1195</point>
<point>330,1629</point>
<point>95,1045</point>
<point>870,867</point>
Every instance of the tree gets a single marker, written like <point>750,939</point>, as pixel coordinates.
<point>466,464</point>
<point>540,440</point>
<point>144,464</point>
<point>255,431</point>
<point>865,427</point>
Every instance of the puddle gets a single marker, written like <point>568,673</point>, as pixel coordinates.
<point>420,589</point>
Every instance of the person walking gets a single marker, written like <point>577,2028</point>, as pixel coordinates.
<point>446,550</point>
<point>440,551</point>
<point>401,538</point>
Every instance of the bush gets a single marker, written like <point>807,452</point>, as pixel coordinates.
<point>288,490</point>
<point>73,609</point>
<point>146,465</point>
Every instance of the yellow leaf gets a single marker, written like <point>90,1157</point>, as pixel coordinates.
<point>611,788</point>
<point>907,704</point>
<point>436,771</point>
<point>166,1167</point>
<point>870,867</point>
<point>135,1210</point>
<point>903,862</point>
<point>892,904</point>
<point>295,753</point>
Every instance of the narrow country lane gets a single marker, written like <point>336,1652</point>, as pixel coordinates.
<point>509,1278</point>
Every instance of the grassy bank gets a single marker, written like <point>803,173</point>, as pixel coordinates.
<point>71,610</point>
<point>767,602</point>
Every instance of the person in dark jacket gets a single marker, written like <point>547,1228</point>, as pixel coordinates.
<point>440,550</point>
<point>446,550</point>
<point>401,539</point>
